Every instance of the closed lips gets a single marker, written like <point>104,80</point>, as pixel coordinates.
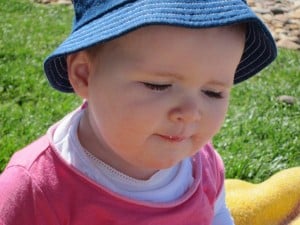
<point>173,138</point>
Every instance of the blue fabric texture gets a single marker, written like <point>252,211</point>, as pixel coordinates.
<point>98,21</point>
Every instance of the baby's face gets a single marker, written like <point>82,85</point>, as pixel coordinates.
<point>158,94</point>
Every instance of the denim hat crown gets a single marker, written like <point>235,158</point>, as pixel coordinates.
<point>98,21</point>
<point>87,10</point>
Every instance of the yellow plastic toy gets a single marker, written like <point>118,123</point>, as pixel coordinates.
<point>275,201</point>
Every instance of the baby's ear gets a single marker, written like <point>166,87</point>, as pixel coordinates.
<point>79,71</point>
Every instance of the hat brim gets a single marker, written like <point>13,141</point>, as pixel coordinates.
<point>260,49</point>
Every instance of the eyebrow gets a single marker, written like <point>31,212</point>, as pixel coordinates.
<point>221,84</point>
<point>168,74</point>
<point>180,77</point>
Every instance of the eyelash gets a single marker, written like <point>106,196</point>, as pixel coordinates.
<point>157,87</point>
<point>162,87</point>
<point>212,94</point>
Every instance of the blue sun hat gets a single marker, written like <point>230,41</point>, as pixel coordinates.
<point>98,21</point>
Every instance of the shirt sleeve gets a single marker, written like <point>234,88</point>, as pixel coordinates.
<point>222,215</point>
<point>21,199</point>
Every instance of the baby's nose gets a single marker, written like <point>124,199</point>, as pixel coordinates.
<point>187,111</point>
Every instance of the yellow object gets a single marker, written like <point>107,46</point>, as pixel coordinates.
<point>275,201</point>
<point>295,221</point>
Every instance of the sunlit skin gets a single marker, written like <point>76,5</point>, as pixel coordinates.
<point>156,95</point>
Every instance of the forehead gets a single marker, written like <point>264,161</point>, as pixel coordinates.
<point>154,35</point>
<point>176,50</point>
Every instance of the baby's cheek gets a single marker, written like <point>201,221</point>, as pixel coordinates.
<point>198,142</point>
<point>219,114</point>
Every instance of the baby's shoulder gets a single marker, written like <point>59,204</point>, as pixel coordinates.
<point>209,156</point>
<point>212,169</point>
<point>29,154</point>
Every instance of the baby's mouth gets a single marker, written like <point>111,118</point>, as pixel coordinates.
<point>173,138</point>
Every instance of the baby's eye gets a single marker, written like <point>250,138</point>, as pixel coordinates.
<point>213,94</point>
<point>157,87</point>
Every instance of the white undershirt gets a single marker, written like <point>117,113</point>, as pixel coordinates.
<point>164,186</point>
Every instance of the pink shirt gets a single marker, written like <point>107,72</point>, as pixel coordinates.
<point>38,187</point>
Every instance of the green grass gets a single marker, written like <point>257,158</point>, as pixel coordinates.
<point>260,135</point>
<point>28,33</point>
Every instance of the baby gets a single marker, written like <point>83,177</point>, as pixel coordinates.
<point>155,77</point>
